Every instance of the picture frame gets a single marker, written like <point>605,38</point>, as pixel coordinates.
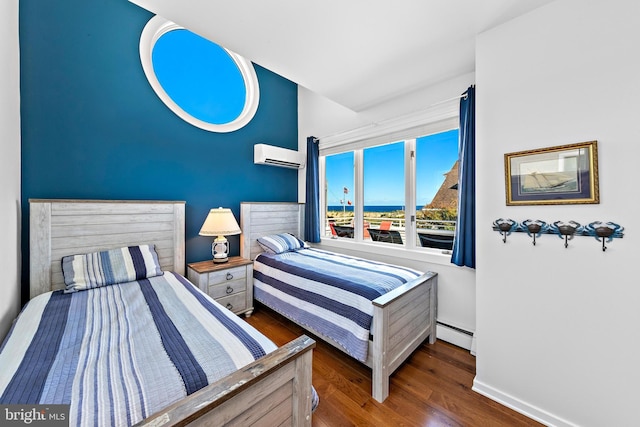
<point>560,175</point>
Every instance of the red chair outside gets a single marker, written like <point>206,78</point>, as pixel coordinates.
<point>333,230</point>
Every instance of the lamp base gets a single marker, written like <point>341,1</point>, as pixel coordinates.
<point>220,250</point>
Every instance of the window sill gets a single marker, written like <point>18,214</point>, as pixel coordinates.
<point>433,256</point>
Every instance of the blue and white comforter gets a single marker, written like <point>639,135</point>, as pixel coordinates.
<point>119,353</point>
<point>327,292</point>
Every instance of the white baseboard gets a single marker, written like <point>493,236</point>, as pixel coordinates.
<point>518,405</point>
<point>454,336</point>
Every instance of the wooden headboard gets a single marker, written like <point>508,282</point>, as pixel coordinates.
<point>67,227</point>
<point>260,219</point>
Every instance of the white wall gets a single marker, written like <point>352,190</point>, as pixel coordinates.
<point>557,328</point>
<point>320,117</point>
<point>9,165</point>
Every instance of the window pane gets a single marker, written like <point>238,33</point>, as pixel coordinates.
<point>339,195</point>
<point>384,193</point>
<point>437,189</point>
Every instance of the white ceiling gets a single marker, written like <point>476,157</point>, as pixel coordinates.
<point>358,53</point>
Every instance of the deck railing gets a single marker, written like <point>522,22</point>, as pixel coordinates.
<point>438,229</point>
<point>396,223</point>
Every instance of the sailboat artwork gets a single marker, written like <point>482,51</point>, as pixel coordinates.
<point>564,174</point>
<point>548,181</point>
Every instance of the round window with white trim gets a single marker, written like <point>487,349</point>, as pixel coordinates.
<point>201,82</point>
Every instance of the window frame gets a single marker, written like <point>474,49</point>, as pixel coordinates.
<point>152,32</point>
<point>407,129</point>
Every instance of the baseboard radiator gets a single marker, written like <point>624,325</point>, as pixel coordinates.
<point>454,335</point>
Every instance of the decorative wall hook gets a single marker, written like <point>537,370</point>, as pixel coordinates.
<point>506,226</point>
<point>535,228</point>
<point>606,232</point>
<point>566,230</point>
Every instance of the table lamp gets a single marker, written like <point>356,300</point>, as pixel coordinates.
<point>220,222</point>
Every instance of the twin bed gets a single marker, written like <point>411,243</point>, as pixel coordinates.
<point>321,292</point>
<point>135,342</point>
<point>110,309</point>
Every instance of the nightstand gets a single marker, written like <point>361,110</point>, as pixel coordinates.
<point>229,283</point>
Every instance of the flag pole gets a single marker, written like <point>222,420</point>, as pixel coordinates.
<point>345,190</point>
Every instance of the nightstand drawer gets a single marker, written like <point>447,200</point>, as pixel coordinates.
<point>236,302</point>
<point>230,287</point>
<point>230,274</point>
<point>229,283</point>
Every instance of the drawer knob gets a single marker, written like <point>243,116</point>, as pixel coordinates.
<point>229,276</point>
<point>229,290</point>
<point>230,306</point>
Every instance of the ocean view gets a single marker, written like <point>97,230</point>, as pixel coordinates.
<point>371,208</point>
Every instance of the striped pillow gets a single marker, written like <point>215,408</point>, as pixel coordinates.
<point>93,270</point>
<point>278,243</point>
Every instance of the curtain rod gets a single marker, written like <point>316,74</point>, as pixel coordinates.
<point>462,96</point>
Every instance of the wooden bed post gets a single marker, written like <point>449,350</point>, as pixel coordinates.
<point>40,248</point>
<point>433,308</point>
<point>379,369</point>
<point>302,390</point>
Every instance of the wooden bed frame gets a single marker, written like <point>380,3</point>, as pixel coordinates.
<point>402,318</point>
<point>275,389</point>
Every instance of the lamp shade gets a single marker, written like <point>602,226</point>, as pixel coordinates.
<point>220,222</point>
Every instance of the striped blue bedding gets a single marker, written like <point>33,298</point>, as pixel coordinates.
<point>329,293</point>
<point>119,353</point>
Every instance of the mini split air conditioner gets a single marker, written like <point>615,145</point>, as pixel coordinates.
<point>264,154</point>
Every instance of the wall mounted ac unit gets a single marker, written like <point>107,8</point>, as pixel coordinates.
<point>264,154</point>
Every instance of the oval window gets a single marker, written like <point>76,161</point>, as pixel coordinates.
<point>203,83</point>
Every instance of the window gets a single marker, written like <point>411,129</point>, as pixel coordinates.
<point>436,189</point>
<point>339,194</point>
<point>203,83</point>
<point>407,193</point>
<point>384,195</point>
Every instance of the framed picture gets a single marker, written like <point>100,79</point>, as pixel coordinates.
<point>566,174</point>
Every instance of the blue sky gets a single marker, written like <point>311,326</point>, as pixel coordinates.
<point>384,171</point>
<point>199,76</point>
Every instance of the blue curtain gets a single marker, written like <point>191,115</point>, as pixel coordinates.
<point>464,246</point>
<point>312,205</point>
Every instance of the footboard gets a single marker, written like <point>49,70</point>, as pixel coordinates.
<point>402,320</point>
<point>274,390</point>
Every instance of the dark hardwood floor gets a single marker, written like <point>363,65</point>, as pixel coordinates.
<point>432,388</point>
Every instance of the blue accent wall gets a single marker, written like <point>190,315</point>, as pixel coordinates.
<point>92,126</point>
